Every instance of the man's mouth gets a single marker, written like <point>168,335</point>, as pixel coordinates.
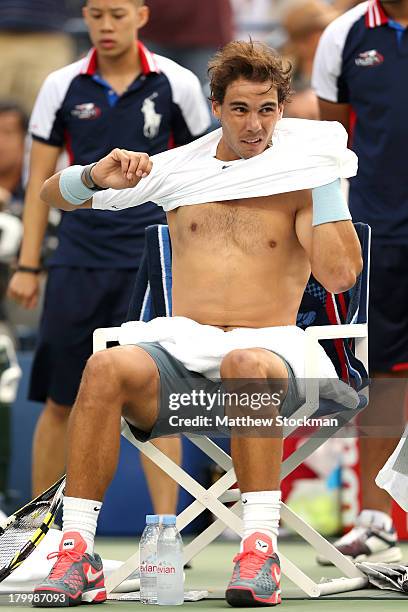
<point>107,42</point>
<point>252,141</point>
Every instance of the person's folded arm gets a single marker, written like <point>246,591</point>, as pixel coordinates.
<point>326,232</point>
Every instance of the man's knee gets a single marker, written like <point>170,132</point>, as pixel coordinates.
<point>56,411</point>
<point>125,371</point>
<point>100,369</point>
<point>252,363</point>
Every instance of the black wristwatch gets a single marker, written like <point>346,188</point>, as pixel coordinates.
<point>86,178</point>
<point>28,269</point>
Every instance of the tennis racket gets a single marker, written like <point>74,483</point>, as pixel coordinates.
<point>22,532</point>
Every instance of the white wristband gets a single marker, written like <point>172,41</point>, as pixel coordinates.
<point>72,188</point>
<point>329,204</point>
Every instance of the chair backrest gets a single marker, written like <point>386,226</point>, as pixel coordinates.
<point>152,298</point>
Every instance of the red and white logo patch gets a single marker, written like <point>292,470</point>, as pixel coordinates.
<point>86,111</point>
<point>369,58</point>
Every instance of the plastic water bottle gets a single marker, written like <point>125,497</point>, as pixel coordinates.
<point>170,576</point>
<point>148,560</point>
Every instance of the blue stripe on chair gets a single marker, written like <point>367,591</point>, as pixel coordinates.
<point>146,312</point>
<point>165,254</point>
<point>364,233</point>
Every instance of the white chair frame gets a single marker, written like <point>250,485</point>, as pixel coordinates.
<point>219,493</point>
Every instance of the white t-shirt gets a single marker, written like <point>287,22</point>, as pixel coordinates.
<point>304,154</point>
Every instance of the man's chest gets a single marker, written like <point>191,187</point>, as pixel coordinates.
<point>249,225</point>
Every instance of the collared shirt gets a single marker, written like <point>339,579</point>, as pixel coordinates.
<point>362,60</point>
<point>78,110</point>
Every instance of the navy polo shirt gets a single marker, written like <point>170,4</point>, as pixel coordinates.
<point>76,109</point>
<point>362,60</point>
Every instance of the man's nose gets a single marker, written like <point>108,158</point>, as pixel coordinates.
<point>106,23</point>
<point>253,122</point>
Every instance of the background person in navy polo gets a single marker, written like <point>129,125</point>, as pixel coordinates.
<point>360,76</point>
<point>123,96</point>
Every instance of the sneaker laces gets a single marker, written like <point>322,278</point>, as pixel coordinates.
<point>64,559</point>
<point>252,562</point>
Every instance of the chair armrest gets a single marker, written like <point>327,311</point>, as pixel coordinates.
<point>329,332</point>
<point>102,336</point>
<point>314,333</point>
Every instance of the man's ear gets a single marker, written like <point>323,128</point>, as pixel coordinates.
<point>143,16</point>
<point>216,109</point>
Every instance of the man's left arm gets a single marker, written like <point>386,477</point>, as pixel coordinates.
<point>326,232</point>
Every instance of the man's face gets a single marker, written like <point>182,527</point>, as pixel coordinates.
<point>113,24</point>
<point>11,142</point>
<point>248,117</point>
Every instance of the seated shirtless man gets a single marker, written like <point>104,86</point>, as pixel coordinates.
<point>240,267</point>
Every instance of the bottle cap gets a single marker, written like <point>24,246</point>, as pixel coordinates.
<point>152,519</point>
<point>169,519</point>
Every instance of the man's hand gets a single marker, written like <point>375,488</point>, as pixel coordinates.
<point>121,169</point>
<point>24,288</point>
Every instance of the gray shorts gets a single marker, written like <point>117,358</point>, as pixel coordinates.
<point>177,382</point>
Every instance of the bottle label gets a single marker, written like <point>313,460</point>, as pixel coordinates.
<point>166,568</point>
<point>148,568</point>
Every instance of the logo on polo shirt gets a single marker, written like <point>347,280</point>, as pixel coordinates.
<point>86,111</point>
<point>152,119</point>
<point>369,58</point>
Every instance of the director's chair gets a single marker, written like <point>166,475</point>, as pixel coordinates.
<point>339,322</point>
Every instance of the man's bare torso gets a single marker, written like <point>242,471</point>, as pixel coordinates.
<point>239,263</point>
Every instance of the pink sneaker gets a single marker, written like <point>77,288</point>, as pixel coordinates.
<point>256,577</point>
<point>76,577</point>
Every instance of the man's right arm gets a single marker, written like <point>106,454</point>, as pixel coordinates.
<point>24,286</point>
<point>121,169</point>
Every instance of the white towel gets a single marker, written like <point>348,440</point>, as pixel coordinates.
<point>305,154</point>
<point>201,348</point>
<point>395,481</point>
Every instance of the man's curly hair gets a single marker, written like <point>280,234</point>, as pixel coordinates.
<point>253,61</point>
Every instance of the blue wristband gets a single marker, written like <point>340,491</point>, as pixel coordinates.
<point>72,188</point>
<point>329,204</point>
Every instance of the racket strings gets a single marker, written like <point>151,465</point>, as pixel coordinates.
<point>20,531</point>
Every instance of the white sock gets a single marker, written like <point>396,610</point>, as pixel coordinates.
<point>261,512</point>
<point>81,515</point>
